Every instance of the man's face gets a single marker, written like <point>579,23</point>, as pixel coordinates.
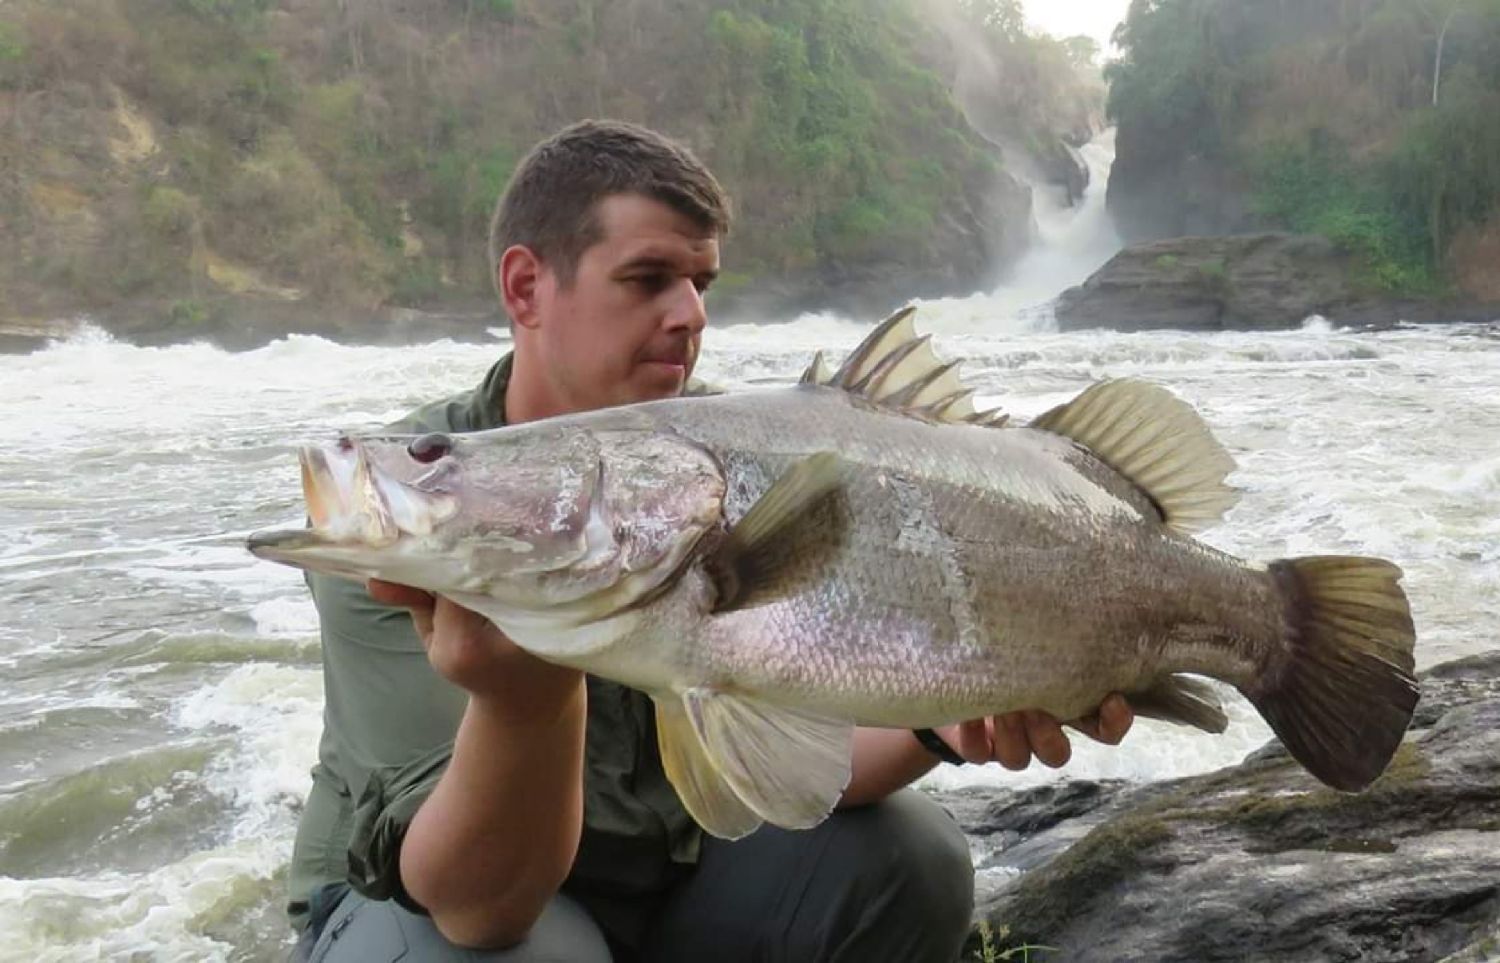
<point>628,327</point>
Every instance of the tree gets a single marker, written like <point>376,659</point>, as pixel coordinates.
<point>1082,50</point>
<point>1004,17</point>
<point>1488,7</point>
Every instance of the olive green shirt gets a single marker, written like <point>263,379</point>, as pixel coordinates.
<point>389,721</point>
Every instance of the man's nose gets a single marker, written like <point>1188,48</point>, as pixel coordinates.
<point>686,310</point>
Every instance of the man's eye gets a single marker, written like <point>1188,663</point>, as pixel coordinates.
<point>651,282</point>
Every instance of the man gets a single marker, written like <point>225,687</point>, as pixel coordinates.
<point>478,797</point>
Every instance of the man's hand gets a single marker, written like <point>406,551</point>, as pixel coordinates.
<point>1014,738</point>
<point>468,650</point>
<point>517,762</point>
<point>887,759</point>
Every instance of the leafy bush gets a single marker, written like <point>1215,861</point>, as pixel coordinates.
<point>1313,187</point>
<point>170,215</point>
<point>12,54</point>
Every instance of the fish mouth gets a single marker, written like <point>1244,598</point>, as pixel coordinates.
<point>345,500</point>
<point>351,504</point>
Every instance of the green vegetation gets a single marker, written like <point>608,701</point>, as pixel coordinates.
<point>1373,122</point>
<point>822,98</point>
<point>1045,86</point>
<point>989,949</point>
<point>352,153</point>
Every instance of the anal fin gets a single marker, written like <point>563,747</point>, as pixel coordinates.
<point>708,798</point>
<point>1183,700</point>
<point>789,765</point>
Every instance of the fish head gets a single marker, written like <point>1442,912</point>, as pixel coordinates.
<point>550,523</point>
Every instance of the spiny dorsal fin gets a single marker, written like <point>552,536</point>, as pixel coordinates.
<point>897,369</point>
<point>817,373</point>
<point>1157,441</point>
<point>785,537</point>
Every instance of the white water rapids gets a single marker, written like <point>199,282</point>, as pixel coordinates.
<point>161,698</point>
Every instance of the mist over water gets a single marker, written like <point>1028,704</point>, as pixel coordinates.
<point>162,693</point>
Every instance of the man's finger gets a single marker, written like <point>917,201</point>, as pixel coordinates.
<point>421,604</point>
<point>404,596</point>
<point>1047,739</point>
<point>974,741</point>
<point>1109,723</point>
<point>1115,719</point>
<point>1012,747</point>
<point>1088,725</point>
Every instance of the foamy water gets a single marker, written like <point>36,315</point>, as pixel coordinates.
<point>162,698</point>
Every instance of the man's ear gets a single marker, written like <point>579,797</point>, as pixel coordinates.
<point>518,275</point>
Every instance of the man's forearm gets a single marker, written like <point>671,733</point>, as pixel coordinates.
<point>498,836</point>
<point>885,760</point>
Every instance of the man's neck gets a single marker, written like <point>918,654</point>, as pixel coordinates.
<point>529,397</point>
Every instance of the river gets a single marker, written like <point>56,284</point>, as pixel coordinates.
<point>162,694</point>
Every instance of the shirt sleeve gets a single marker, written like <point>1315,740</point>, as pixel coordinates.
<point>382,816</point>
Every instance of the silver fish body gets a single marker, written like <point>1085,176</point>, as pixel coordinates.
<point>777,567</point>
<point>978,570</point>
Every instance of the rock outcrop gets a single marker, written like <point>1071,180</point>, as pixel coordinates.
<point>1259,861</point>
<point>1241,282</point>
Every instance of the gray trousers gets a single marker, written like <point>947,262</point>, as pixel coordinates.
<point>889,882</point>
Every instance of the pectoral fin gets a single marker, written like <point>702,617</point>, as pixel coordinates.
<point>708,798</point>
<point>788,765</point>
<point>784,538</point>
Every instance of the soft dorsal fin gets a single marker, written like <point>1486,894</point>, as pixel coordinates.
<point>896,368</point>
<point>1158,442</point>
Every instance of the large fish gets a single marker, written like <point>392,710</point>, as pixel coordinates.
<point>776,567</point>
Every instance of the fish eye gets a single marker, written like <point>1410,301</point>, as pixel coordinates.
<point>429,448</point>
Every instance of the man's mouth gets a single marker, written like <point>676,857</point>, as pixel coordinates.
<point>679,361</point>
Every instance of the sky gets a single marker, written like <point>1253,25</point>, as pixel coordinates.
<point>1064,18</point>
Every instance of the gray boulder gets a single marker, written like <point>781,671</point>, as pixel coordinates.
<point>1259,861</point>
<point>1244,282</point>
<point>1250,281</point>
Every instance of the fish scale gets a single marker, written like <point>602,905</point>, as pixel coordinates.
<point>1032,564</point>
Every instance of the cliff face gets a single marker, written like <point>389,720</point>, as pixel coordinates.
<point>182,159</point>
<point>1329,117</point>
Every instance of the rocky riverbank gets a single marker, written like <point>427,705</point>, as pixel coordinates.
<point>1241,282</point>
<point>1259,861</point>
<point>244,323</point>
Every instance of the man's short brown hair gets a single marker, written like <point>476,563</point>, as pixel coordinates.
<point>551,202</point>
